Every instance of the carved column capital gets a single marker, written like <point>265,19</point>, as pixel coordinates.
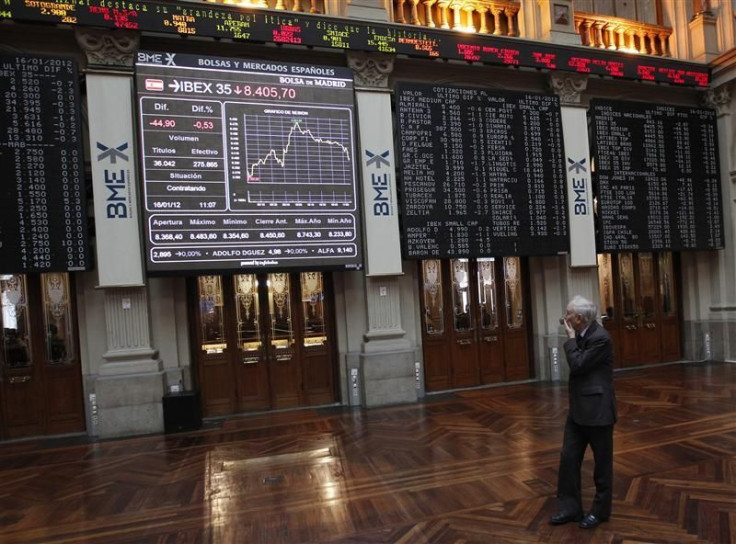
<point>568,87</point>
<point>371,69</point>
<point>114,49</point>
<point>719,99</point>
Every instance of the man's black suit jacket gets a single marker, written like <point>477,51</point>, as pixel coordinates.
<point>592,397</point>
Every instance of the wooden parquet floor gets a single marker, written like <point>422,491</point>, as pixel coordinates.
<point>478,466</point>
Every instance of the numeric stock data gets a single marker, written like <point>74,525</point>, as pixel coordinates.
<point>482,172</point>
<point>43,218</point>
<point>247,164</point>
<point>241,21</point>
<point>656,176</point>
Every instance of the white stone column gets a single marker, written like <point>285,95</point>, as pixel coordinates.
<point>387,358</point>
<point>720,319</point>
<point>382,248</point>
<point>384,316</point>
<point>129,381</point>
<point>583,272</point>
<point>555,280</point>
<point>128,333</point>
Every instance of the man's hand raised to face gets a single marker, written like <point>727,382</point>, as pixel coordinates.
<point>568,327</point>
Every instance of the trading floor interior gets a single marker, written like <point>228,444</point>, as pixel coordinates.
<point>277,271</point>
<point>474,466</point>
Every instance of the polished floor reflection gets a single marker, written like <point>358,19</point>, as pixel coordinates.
<point>478,466</point>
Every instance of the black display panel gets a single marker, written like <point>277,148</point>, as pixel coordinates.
<point>281,27</point>
<point>482,172</point>
<point>656,176</point>
<point>43,218</point>
<point>247,164</point>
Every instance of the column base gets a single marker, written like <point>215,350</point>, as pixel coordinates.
<point>550,362</point>
<point>709,340</point>
<point>388,377</point>
<point>129,404</point>
<point>381,341</point>
<point>129,389</point>
<point>130,361</point>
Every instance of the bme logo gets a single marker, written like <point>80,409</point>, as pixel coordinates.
<point>579,186</point>
<point>117,182</point>
<point>381,182</point>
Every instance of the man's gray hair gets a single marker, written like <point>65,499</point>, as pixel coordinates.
<point>581,305</point>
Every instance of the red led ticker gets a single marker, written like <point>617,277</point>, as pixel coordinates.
<point>699,77</point>
<point>288,34</point>
<point>505,55</point>
<point>144,18</point>
<point>646,72</point>
<point>120,18</point>
<point>585,65</point>
<point>613,67</point>
<point>428,46</point>
<point>677,76</point>
<point>469,52</point>
<point>580,64</point>
<point>548,59</point>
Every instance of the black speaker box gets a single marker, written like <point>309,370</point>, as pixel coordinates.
<point>182,412</point>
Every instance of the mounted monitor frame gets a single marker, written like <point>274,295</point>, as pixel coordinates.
<point>247,164</point>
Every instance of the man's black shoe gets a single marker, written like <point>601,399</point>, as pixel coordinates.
<point>590,521</point>
<point>559,518</point>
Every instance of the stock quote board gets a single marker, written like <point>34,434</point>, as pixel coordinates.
<point>247,164</point>
<point>43,218</point>
<point>656,177</point>
<point>482,172</point>
<point>238,22</point>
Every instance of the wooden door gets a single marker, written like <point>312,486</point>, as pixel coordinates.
<point>265,341</point>
<point>435,335</point>
<point>316,333</point>
<point>648,322</point>
<point>283,360</point>
<point>629,294</point>
<point>491,341</point>
<point>639,305</point>
<point>464,334</point>
<point>215,348</point>
<point>515,322</point>
<point>251,364</point>
<point>41,373</point>
<point>610,309</point>
<point>479,335</point>
<point>669,323</point>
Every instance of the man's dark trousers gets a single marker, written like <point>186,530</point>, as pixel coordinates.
<point>577,438</point>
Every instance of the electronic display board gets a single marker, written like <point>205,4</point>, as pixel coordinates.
<point>656,176</point>
<point>482,172</point>
<point>43,217</point>
<point>283,27</point>
<point>247,164</point>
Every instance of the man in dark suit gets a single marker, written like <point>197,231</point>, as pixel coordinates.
<point>591,416</point>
